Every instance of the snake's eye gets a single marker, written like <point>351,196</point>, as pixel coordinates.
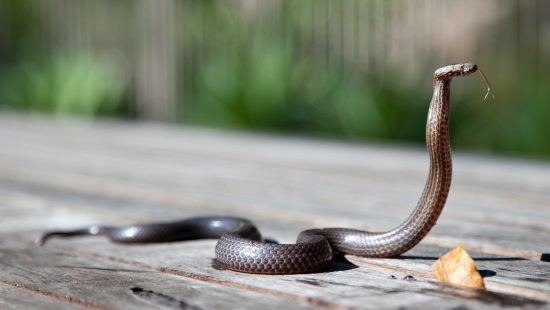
<point>462,67</point>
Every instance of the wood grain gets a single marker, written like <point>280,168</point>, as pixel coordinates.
<point>65,174</point>
<point>101,284</point>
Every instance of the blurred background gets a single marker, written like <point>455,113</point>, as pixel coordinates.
<point>350,70</point>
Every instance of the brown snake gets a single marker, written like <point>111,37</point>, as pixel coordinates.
<point>240,247</point>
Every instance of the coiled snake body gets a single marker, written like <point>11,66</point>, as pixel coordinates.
<point>240,247</point>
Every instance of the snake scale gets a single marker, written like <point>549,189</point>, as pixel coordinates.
<point>240,246</point>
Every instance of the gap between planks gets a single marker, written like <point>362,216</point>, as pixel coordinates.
<point>387,264</point>
<point>122,191</point>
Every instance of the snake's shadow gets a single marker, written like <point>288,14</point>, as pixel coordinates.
<point>433,258</point>
<point>339,263</point>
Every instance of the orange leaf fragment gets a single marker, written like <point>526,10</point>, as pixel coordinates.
<point>457,268</point>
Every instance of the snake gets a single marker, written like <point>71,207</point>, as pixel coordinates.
<point>240,246</point>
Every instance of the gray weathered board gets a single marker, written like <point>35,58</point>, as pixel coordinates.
<point>66,174</point>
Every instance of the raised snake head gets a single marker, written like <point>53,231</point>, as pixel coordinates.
<point>451,71</point>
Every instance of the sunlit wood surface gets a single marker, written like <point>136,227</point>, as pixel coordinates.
<point>66,174</point>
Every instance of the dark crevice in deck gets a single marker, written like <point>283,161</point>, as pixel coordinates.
<point>163,300</point>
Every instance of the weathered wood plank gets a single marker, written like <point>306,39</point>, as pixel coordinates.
<point>14,296</point>
<point>70,174</point>
<point>502,274</point>
<point>429,253</point>
<point>380,168</point>
<point>188,260</point>
<point>237,195</point>
<point>341,160</point>
<point>351,287</point>
<point>102,284</point>
<point>103,210</point>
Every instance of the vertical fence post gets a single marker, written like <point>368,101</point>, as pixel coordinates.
<point>155,75</point>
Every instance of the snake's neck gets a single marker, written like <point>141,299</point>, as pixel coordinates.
<point>438,183</point>
<point>431,203</point>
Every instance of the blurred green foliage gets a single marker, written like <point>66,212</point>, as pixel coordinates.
<point>273,91</point>
<point>258,79</point>
<point>261,79</point>
<point>283,73</point>
<point>64,85</point>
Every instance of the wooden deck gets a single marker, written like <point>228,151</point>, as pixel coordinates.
<point>72,173</point>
